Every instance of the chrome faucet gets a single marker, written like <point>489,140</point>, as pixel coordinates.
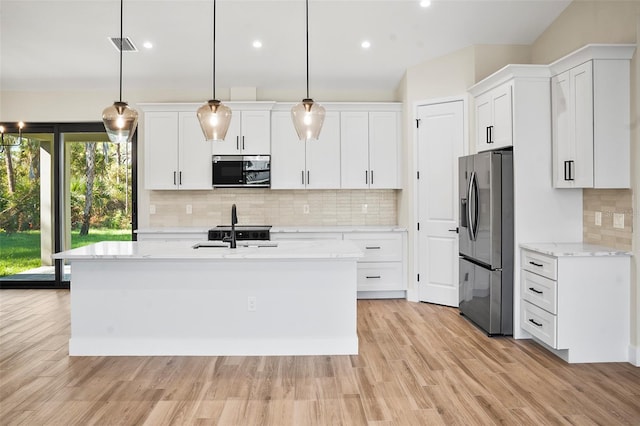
<point>234,220</point>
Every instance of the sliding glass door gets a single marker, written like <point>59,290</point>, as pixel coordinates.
<point>62,186</point>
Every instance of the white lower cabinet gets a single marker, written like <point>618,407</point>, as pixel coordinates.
<point>382,270</point>
<point>382,267</point>
<point>577,303</point>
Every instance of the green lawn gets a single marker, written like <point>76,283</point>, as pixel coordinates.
<point>20,251</point>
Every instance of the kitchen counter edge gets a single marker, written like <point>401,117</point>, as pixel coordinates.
<point>576,249</point>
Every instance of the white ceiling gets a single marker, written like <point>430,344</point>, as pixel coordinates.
<point>51,45</point>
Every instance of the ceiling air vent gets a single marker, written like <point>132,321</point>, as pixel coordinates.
<point>127,45</point>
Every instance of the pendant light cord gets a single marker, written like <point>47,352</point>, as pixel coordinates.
<point>214,49</point>
<point>121,45</point>
<point>307,33</point>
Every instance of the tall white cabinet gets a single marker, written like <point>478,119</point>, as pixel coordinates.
<point>590,91</point>
<point>176,153</point>
<point>530,110</point>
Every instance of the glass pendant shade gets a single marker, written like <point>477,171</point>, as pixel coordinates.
<point>120,122</point>
<point>308,117</point>
<point>214,118</point>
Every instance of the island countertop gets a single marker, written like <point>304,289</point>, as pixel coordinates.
<point>573,249</point>
<point>183,250</point>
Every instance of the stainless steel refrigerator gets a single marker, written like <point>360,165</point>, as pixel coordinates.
<point>486,240</point>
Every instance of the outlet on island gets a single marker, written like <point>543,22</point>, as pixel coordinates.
<point>189,209</point>
<point>251,303</point>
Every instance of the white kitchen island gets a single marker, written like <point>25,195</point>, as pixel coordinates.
<point>167,298</point>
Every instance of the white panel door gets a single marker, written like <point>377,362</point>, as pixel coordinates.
<point>323,155</point>
<point>231,143</point>
<point>255,134</point>
<point>582,90</point>
<point>440,143</point>
<point>195,154</point>
<point>354,137</point>
<point>563,143</point>
<point>383,150</point>
<point>161,150</point>
<point>287,153</point>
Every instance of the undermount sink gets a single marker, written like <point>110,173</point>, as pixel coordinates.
<point>222,244</point>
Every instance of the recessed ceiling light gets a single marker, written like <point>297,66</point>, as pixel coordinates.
<point>365,44</point>
<point>425,3</point>
<point>147,45</point>
<point>257,44</point>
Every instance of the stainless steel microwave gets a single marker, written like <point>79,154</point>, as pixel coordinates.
<point>233,171</point>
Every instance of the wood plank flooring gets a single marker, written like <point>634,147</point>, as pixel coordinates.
<point>419,364</point>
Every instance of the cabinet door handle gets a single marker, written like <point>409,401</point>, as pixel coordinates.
<point>180,178</point>
<point>238,142</point>
<point>174,178</point>
<point>489,134</point>
<point>568,170</point>
<point>308,180</point>
<point>302,176</point>
<point>371,177</point>
<point>539,265</point>
<point>372,247</point>
<point>535,290</point>
<point>373,277</point>
<point>243,142</point>
<point>537,324</point>
<point>366,177</point>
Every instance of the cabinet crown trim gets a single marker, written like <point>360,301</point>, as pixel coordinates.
<point>591,52</point>
<point>507,73</point>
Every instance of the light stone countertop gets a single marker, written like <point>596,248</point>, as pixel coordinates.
<point>279,229</point>
<point>184,250</point>
<point>573,249</point>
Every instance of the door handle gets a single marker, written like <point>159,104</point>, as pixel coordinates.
<point>302,176</point>
<point>371,177</point>
<point>243,142</point>
<point>568,170</point>
<point>456,230</point>
<point>238,142</point>
<point>366,177</point>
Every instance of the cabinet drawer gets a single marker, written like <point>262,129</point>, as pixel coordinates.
<point>385,247</point>
<point>541,264</point>
<point>539,323</point>
<point>380,276</point>
<point>540,291</point>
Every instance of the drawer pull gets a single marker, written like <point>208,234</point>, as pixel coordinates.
<point>539,265</point>
<point>535,291</point>
<point>372,247</point>
<point>535,323</point>
<point>373,276</point>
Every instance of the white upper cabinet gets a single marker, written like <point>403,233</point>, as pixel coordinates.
<point>176,153</point>
<point>494,118</point>
<point>248,134</point>
<point>590,93</point>
<point>370,155</point>
<point>297,164</point>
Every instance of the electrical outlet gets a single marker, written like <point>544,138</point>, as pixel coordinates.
<point>152,209</point>
<point>364,208</point>
<point>305,209</point>
<point>251,303</point>
<point>598,218</point>
<point>618,220</point>
<point>189,209</point>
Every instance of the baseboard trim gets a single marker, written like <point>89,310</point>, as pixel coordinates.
<point>634,355</point>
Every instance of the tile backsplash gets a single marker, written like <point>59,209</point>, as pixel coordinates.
<point>274,207</point>
<point>608,202</point>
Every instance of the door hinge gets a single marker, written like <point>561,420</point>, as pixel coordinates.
<point>418,277</point>
<point>418,226</point>
<point>418,123</point>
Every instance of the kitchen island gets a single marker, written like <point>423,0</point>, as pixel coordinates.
<point>169,298</point>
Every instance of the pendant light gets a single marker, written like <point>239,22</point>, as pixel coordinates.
<point>308,115</point>
<point>120,121</point>
<point>214,117</point>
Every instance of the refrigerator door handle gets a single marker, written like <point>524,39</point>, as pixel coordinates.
<point>472,207</point>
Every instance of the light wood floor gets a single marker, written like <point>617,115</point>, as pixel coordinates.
<point>419,364</point>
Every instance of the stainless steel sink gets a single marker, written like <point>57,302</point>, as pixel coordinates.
<point>222,244</point>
